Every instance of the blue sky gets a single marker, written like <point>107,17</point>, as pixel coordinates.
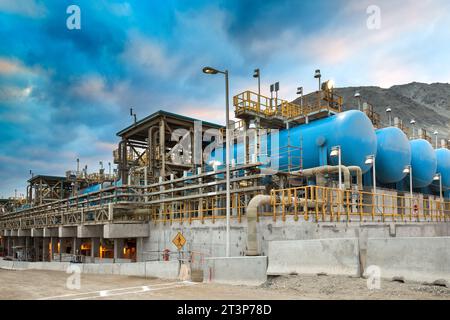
<point>65,93</point>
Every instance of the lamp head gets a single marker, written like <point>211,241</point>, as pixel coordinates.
<point>335,151</point>
<point>209,70</point>
<point>369,159</point>
<point>317,74</point>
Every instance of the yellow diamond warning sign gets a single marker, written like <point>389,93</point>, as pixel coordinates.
<point>179,240</point>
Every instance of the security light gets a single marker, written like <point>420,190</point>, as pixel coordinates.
<point>369,159</point>
<point>334,151</point>
<point>317,74</point>
<point>210,70</point>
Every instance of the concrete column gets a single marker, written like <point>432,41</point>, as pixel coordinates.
<point>75,246</point>
<point>14,244</point>
<point>27,247</point>
<point>95,248</point>
<point>54,250</point>
<point>139,249</point>
<point>10,244</point>
<point>45,249</point>
<point>118,248</point>
<point>37,250</point>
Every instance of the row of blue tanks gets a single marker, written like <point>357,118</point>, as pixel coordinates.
<point>353,131</point>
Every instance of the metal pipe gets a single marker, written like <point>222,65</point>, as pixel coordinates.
<point>227,133</point>
<point>326,169</point>
<point>358,171</point>
<point>252,212</point>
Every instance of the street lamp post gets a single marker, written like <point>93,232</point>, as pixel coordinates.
<point>336,151</point>
<point>318,75</point>
<point>408,169</point>
<point>209,70</point>
<point>300,92</point>
<point>358,97</point>
<point>371,160</point>
<point>438,176</point>
<point>257,74</point>
<point>388,111</point>
<point>436,135</point>
<point>413,122</point>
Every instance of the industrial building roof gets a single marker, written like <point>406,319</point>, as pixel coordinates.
<point>167,114</point>
<point>45,177</point>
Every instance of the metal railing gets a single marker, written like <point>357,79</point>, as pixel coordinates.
<point>195,197</point>
<point>265,106</point>
<point>198,203</point>
<point>330,204</point>
<point>249,101</point>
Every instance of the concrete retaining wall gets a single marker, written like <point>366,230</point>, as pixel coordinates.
<point>417,259</point>
<point>332,256</point>
<point>209,238</point>
<point>250,271</point>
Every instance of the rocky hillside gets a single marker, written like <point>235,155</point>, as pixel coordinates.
<point>428,104</point>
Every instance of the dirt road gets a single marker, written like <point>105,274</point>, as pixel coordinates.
<point>34,284</point>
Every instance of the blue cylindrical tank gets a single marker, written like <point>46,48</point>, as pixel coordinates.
<point>443,167</point>
<point>393,155</point>
<point>423,163</point>
<point>351,130</point>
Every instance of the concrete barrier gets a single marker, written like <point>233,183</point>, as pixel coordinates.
<point>162,269</point>
<point>132,269</point>
<point>331,256</point>
<point>415,259</point>
<point>157,269</point>
<point>250,271</point>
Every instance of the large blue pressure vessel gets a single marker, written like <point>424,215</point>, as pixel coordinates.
<point>443,167</point>
<point>351,130</point>
<point>393,155</point>
<point>423,163</point>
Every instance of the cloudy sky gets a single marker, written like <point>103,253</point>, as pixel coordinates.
<point>65,93</point>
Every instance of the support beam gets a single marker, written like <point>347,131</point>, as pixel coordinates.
<point>126,230</point>
<point>23,233</point>
<point>67,232</point>
<point>37,232</point>
<point>90,231</point>
<point>50,232</point>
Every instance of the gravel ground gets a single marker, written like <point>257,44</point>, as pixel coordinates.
<point>345,287</point>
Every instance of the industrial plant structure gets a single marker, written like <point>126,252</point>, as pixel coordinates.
<point>294,168</point>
